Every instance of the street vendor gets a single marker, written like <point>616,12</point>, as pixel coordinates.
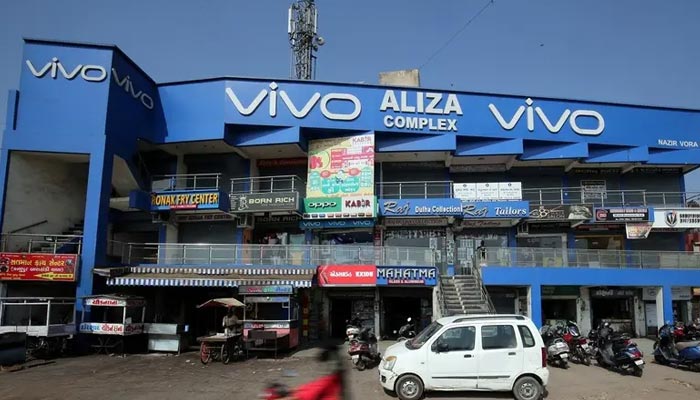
<point>231,323</point>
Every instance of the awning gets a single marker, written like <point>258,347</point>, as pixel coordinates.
<point>222,302</point>
<point>213,277</point>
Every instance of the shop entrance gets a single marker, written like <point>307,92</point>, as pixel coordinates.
<point>615,306</point>
<point>558,311</point>
<point>397,310</point>
<point>343,309</point>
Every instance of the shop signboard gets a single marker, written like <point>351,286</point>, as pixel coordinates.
<point>612,293</point>
<point>266,325</point>
<point>408,222</point>
<point>341,166</point>
<point>678,293</point>
<point>186,200</point>
<point>106,301</point>
<point>336,223</point>
<point>347,275</point>
<point>637,230</point>
<point>593,190</point>
<point>267,289</point>
<point>495,209</point>
<point>623,214</point>
<point>487,223</point>
<point>38,267</point>
<point>510,191</point>
<point>420,207</point>
<point>277,219</point>
<point>265,202</point>
<point>406,276</point>
<point>560,291</point>
<point>339,207</point>
<point>204,217</point>
<point>488,191</point>
<point>282,162</point>
<point>683,218</point>
<point>111,329</point>
<point>561,213</point>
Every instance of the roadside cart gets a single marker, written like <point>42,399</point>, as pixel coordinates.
<point>221,346</point>
<point>271,318</point>
<point>48,322</point>
<point>112,319</point>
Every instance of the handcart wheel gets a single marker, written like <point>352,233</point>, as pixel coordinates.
<point>225,354</point>
<point>204,353</point>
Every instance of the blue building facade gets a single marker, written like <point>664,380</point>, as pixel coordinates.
<point>362,198</point>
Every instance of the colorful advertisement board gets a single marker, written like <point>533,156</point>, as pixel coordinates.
<point>637,230</point>
<point>347,275</point>
<point>340,207</point>
<point>185,200</point>
<point>406,276</point>
<point>341,166</point>
<point>420,207</point>
<point>684,218</point>
<point>111,329</point>
<point>38,267</point>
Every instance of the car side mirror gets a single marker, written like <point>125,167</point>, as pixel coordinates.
<point>443,348</point>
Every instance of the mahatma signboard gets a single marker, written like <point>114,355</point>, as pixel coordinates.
<point>406,276</point>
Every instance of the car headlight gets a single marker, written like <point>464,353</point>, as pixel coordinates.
<point>389,362</point>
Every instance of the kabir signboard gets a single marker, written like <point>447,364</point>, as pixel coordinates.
<point>339,207</point>
<point>265,202</point>
<point>683,218</point>
<point>38,267</point>
<point>623,214</point>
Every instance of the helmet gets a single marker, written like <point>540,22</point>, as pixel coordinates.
<point>606,325</point>
<point>409,319</point>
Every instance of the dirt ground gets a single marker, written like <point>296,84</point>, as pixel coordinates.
<point>156,377</point>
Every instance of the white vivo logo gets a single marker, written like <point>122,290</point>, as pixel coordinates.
<point>54,68</point>
<point>552,127</point>
<point>297,112</point>
<point>128,86</point>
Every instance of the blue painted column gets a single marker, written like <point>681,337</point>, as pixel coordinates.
<point>536,304</point>
<point>4,166</point>
<point>99,189</point>
<point>667,295</point>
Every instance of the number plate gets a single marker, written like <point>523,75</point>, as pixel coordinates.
<point>564,355</point>
<point>639,362</point>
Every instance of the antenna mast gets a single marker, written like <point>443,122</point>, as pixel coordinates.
<point>303,39</point>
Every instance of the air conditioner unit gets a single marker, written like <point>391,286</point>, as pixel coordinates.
<point>523,229</point>
<point>245,221</point>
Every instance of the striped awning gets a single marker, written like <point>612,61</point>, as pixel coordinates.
<point>213,277</point>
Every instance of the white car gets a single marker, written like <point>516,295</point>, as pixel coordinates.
<point>469,352</point>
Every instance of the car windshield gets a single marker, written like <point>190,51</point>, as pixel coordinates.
<point>424,336</point>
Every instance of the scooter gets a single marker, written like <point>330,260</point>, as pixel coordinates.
<point>618,352</point>
<point>352,329</point>
<point>364,351</point>
<point>407,331</point>
<point>557,349</point>
<point>578,344</point>
<point>669,352</point>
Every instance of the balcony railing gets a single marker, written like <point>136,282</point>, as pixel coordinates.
<point>414,190</point>
<point>581,258</point>
<point>162,183</point>
<point>41,243</point>
<point>255,254</point>
<point>610,198</point>
<point>268,184</point>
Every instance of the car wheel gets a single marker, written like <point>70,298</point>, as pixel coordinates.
<point>527,388</point>
<point>409,387</point>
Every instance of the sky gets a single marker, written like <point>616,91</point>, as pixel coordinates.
<point>625,51</point>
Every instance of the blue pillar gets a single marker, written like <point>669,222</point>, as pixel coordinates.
<point>4,172</point>
<point>667,303</point>
<point>99,190</point>
<point>536,304</point>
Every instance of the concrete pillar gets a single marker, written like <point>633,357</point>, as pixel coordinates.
<point>377,310</point>
<point>94,249</point>
<point>664,305</point>
<point>583,310</point>
<point>535,309</point>
<point>4,172</point>
<point>640,323</point>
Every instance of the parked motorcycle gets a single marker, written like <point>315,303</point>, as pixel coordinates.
<point>618,352</point>
<point>557,349</point>
<point>577,344</point>
<point>668,351</point>
<point>327,387</point>
<point>353,328</point>
<point>364,350</point>
<point>407,331</point>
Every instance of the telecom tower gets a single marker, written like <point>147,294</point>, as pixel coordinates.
<point>304,39</point>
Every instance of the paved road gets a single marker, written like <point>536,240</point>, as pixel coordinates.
<point>159,377</point>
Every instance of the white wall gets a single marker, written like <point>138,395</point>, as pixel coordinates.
<point>44,186</point>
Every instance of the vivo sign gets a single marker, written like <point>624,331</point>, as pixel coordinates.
<point>273,94</point>
<point>554,126</point>
<point>54,68</point>
<point>90,73</point>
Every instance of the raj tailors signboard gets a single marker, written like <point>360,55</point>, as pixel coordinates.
<point>683,218</point>
<point>38,267</point>
<point>498,209</point>
<point>265,202</point>
<point>340,179</point>
<point>185,200</point>
<point>406,276</point>
<point>347,275</point>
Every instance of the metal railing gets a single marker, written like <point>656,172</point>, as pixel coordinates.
<point>485,296</point>
<point>610,198</point>
<point>414,190</point>
<point>588,258</point>
<point>163,183</point>
<point>18,312</point>
<point>256,254</point>
<point>41,243</point>
<point>268,184</point>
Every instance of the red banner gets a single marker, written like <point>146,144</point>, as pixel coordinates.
<point>38,267</point>
<point>347,275</point>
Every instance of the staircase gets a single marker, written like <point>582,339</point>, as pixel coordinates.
<point>465,294</point>
<point>66,242</point>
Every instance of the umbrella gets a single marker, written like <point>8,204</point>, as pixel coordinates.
<point>222,302</point>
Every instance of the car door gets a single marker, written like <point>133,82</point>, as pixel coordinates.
<point>452,361</point>
<point>500,359</point>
